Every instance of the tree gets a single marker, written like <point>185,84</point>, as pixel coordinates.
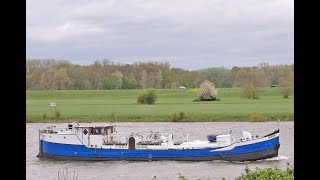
<point>155,79</point>
<point>168,77</point>
<point>132,82</point>
<point>28,81</point>
<point>216,82</point>
<point>47,74</point>
<point>129,82</point>
<point>249,90</point>
<point>240,77</point>
<point>94,78</point>
<point>116,79</point>
<point>274,81</point>
<point>58,79</point>
<point>107,83</point>
<point>286,83</point>
<point>47,80</point>
<point>174,85</point>
<point>219,75</point>
<point>148,97</point>
<point>207,91</point>
<point>61,79</point>
<point>143,79</point>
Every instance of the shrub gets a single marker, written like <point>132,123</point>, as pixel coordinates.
<point>207,91</point>
<point>113,116</point>
<point>57,114</point>
<point>44,116</point>
<point>249,91</point>
<point>268,173</point>
<point>199,99</point>
<point>182,177</point>
<point>286,91</point>
<point>148,97</point>
<point>178,116</point>
<point>286,83</point>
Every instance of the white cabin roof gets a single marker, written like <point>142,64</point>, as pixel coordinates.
<point>82,126</point>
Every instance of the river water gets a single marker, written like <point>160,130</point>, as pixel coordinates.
<point>48,169</point>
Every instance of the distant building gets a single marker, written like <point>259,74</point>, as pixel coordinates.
<point>182,87</point>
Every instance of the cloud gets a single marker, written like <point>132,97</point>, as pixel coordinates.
<point>213,32</point>
<point>62,32</point>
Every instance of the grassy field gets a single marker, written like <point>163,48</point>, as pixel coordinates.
<point>172,105</point>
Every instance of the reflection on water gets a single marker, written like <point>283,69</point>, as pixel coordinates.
<point>48,169</point>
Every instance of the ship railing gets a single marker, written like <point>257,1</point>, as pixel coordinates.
<point>55,130</point>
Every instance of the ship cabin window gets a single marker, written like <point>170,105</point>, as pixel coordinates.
<point>101,130</point>
<point>95,130</point>
<point>107,130</point>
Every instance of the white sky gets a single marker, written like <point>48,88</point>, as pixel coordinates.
<point>190,34</point>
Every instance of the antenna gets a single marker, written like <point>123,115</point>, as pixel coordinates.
<point>279,124</point>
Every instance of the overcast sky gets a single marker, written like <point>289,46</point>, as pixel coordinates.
<point>190,34</point>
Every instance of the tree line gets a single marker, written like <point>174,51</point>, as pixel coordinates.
<point>50,74</point>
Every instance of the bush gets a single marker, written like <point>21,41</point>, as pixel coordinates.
<point>148,97</point>
<point>44,116</point>
<point>207,91</point>
<point>57,114</point>
<point>268,173</point>
<point>199,99</point>
<point>113,116</point>
<point>196,100</point>
<point>286,91</point>
<point>286,83</point>
<point>250,91</point>
<point>178,117</point>
<point>182,177</point>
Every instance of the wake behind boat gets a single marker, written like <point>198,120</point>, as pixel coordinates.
<point>78,142</point>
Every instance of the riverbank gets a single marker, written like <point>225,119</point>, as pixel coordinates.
<point>172,106</point>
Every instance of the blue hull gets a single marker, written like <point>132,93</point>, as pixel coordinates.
<point>256,151</point>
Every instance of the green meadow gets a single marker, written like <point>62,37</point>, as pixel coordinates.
<point>172,105</point>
